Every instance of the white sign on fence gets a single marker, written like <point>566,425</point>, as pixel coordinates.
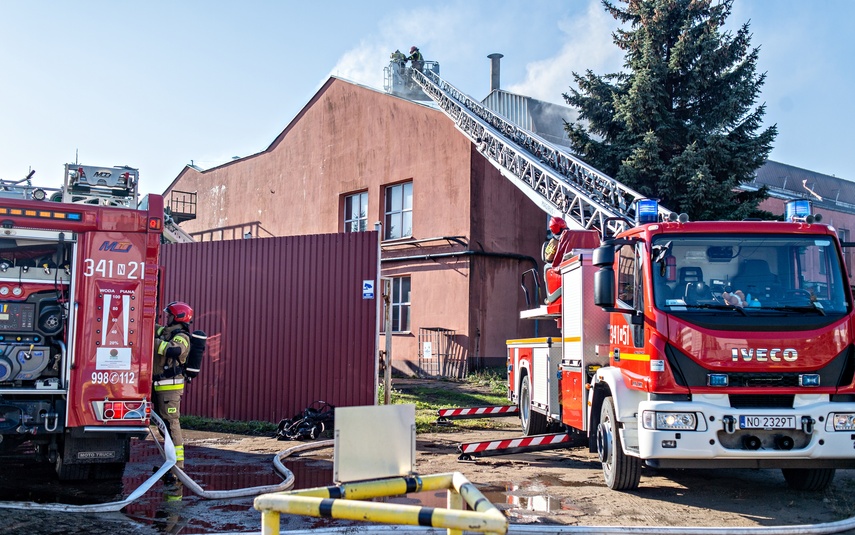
<point>368,289</point>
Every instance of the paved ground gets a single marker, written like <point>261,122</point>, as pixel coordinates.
<point>555,487</point>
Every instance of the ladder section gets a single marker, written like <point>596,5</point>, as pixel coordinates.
<point>558,182</point>
<point>172,233</point>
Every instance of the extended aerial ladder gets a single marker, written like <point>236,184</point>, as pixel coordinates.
<point>172,233</point>
<point>559,183</point>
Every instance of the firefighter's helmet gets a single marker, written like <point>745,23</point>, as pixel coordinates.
<point>413,49</point>
<point>556,225</point>
<point>181,311</point>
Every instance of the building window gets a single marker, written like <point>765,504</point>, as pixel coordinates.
<point>356,212</point>
<point>400,304</point>
<point>399,211</point>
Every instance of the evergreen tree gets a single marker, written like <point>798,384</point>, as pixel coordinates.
<point>678,123</point>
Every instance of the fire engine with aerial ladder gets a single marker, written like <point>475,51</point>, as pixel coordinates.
<point>683,344</point>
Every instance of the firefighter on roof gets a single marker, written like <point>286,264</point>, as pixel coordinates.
<point>416,58</point>
<point>171,347</point>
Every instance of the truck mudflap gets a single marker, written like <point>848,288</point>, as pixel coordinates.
<point>101,454</point>
<point>701,430</point>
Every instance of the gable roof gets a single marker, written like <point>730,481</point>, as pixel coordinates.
<point>789,182</point>
<point>291,124</point>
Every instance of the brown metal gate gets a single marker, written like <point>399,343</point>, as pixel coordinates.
<point>287,322</point>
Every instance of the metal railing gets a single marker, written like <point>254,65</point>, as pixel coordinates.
<point>342,502</point>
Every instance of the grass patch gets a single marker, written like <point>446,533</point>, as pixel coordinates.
<point>481,389</point>
<point>235,427</point>
<point>475,391</point>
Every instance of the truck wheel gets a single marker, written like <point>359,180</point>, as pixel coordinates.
<point>812,479</point>
<point>533,423</point>
<point>621,471</point>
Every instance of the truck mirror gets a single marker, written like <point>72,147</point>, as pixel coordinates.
<point>604,286</point>
<point>604,255</point>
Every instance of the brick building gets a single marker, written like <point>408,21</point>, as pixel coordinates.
<point>456,235</point>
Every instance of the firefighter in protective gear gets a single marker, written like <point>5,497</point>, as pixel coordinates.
<point>171,347</point>
<point>416,58</point>
<point>556,226</point>
<point>399,59</point>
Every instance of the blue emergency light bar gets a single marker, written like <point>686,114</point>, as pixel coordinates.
<point>798,209</point>
<point>647,211</point>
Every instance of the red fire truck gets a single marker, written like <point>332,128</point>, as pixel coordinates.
<point>683,344</point>
<point>699,345</point>
<point>78,302</point>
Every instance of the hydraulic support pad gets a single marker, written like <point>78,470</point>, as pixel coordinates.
<point>444,415</point>
<point>514,445</point>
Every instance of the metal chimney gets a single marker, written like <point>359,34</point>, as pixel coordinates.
<point>494,71</point>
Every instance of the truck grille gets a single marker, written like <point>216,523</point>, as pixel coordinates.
<point>763,379</point>
<point>749,401</point>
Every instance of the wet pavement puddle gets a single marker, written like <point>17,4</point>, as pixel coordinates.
<point>221,470</point>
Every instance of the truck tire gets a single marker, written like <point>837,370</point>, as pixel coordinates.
<point>533,423</point>
<point>811,479</point>
<point>621,471</point>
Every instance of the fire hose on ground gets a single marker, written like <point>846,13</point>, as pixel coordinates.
<point>168,452</point>
<point>167,449</point>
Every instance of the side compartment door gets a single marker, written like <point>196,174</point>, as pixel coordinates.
<point>112,358</point>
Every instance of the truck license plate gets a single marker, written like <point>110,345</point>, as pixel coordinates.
<point>767,422</point>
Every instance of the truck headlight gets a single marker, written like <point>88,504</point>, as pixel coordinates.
<point>844,421</point>
<point>686,421</point>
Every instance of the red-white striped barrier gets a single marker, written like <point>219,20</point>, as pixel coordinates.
<point>514,445</point>
<point>478,412</point>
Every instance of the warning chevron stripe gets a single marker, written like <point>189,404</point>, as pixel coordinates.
<point>481,412</point>
<point>499,446</point>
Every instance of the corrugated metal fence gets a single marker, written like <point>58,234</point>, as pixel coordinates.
<point>286,321</point>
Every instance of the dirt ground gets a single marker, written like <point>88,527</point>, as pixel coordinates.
<point>557,487</point>
<point>566,486</point>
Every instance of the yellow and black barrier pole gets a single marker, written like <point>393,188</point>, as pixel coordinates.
<point>342,502</point>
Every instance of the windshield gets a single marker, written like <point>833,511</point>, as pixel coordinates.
<point>748,273</point>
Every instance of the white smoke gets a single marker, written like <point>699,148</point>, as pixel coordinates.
<point>461,35</point>
<point>587,45</point>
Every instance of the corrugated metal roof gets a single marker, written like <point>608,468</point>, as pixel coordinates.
<point>543,118</point>
<point>286,321</point>
<point>824,190</point>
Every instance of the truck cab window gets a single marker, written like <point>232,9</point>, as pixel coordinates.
<point>626,275</point>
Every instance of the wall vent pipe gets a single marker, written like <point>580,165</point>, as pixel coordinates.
<point>494,71</point>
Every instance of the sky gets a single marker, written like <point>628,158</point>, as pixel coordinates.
<point>159,84</point>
